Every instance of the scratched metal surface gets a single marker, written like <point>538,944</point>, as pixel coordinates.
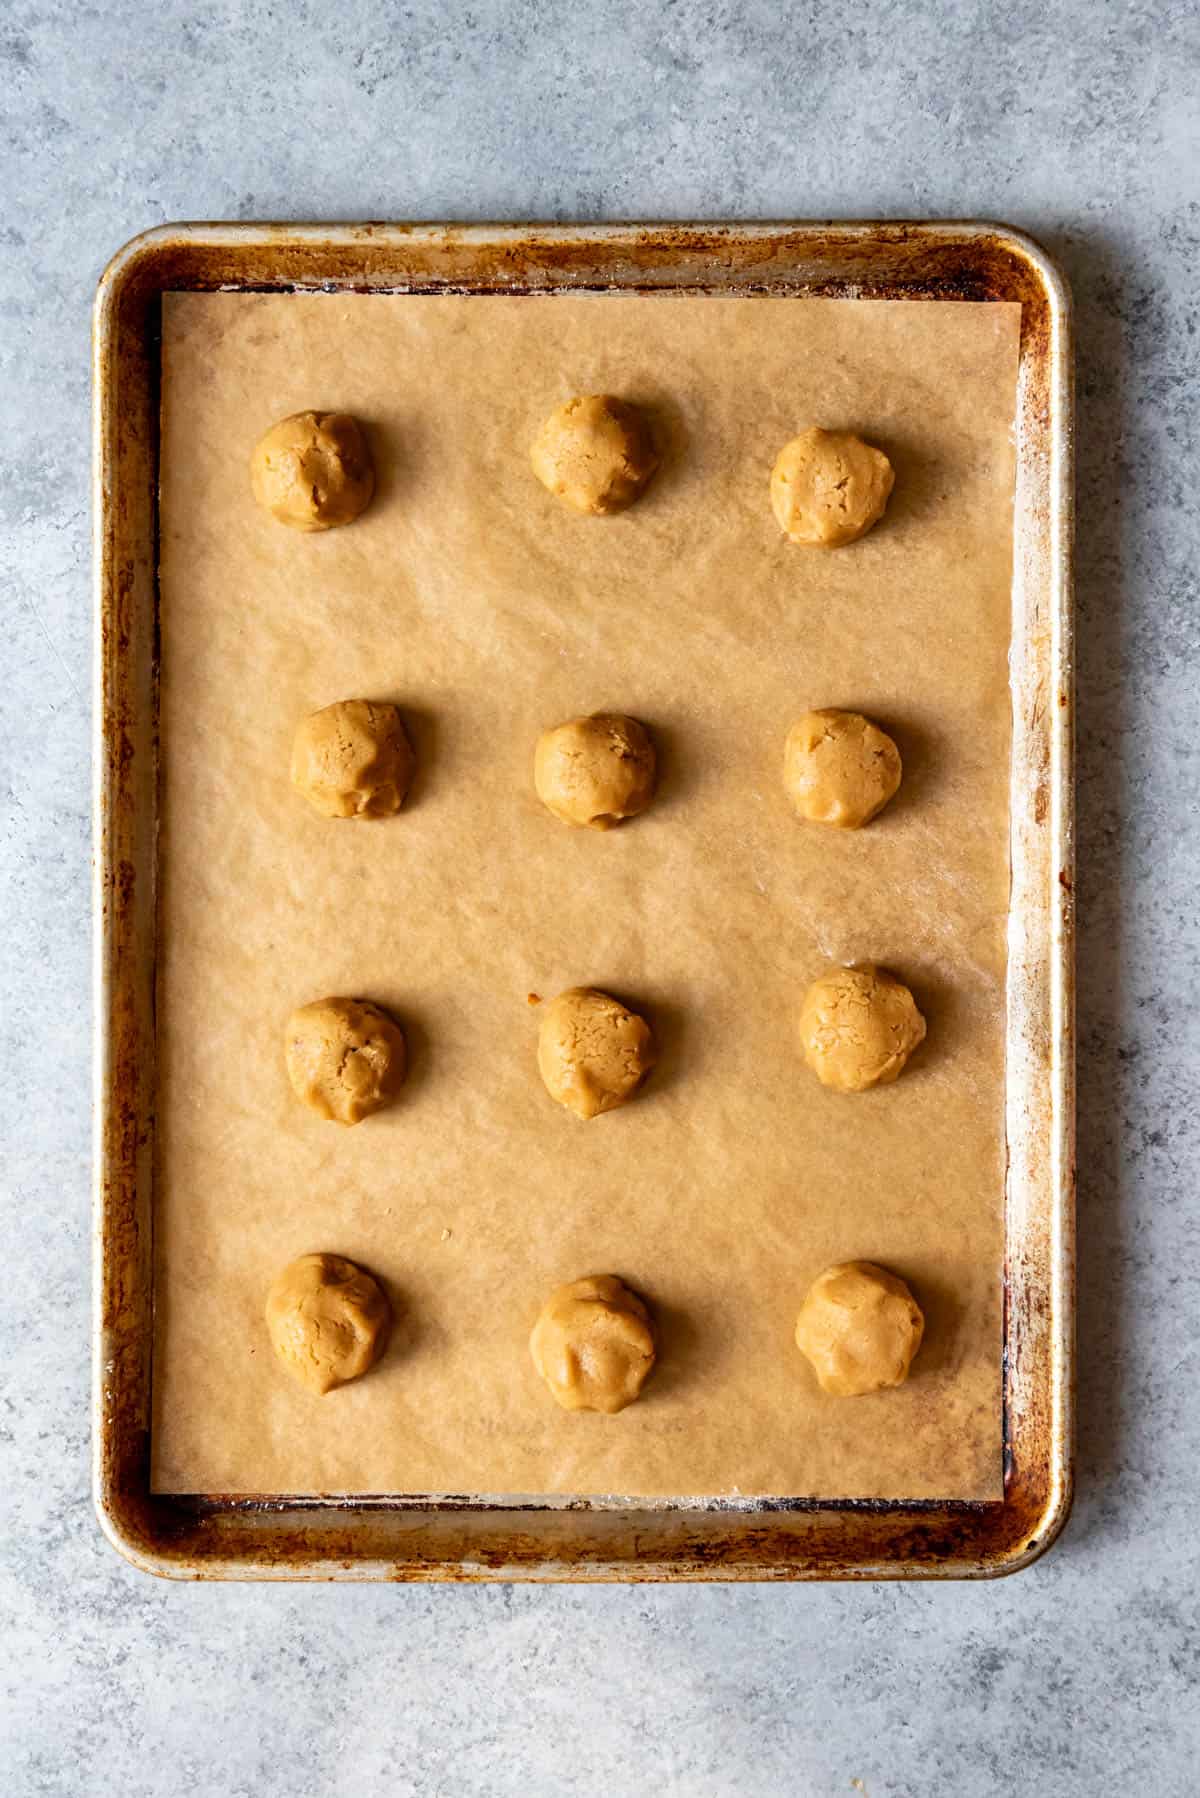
<point>473,1538</point>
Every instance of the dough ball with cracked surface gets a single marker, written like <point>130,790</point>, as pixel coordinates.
<point>595,452</point>
<point>593,1344</point>
<point>595,771</point>
<point>327,1319</point>
<point>858,1027</point>
<point>353,759</point>
<point>829,487</point>
<point>593,1052</point>
<point>345,1057</point>
<point>839,768</point>
<point>860,1327</point>
<point>313,470</point>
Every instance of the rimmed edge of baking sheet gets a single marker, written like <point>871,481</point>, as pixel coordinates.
<point>470,1537</point>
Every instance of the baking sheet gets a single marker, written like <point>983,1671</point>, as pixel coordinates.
<point>487,611</point>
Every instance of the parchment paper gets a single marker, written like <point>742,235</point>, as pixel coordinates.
<point>488,611</point>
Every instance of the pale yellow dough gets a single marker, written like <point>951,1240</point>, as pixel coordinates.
<point>593,1053</point>
<point>829,487</point>
<point>593,1344</point>
<point>858,1027</point>
<point>327,1319</point>
<point>345,1057</point>
<point>860,1327</point>
<point>839,768</point>
<point>313,470</point>
<point>595,771</point>
<point>595,453</point>
<point>353,759</point>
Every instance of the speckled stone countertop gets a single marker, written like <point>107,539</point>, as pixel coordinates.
<point>1079,122</point>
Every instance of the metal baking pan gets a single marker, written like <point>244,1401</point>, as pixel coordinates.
<point>211,1536</point>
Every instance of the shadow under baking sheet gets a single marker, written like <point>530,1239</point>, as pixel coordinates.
<point>1109,326</point>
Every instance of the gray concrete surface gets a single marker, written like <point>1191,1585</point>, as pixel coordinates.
<point>1077,120</point>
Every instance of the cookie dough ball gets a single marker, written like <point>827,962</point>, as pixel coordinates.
<point>839,768</point>
<point>313,470</point>
<point>327,1319</point>
<point>596,770</point>
<point>858,1027</point>
<point>596,453</point>
<point>593,1053</point>
<point>345,1058</point>
<point>593,1344</point>
<point>860,1327</point>
<point>829,487</point>
<point>352,759</point>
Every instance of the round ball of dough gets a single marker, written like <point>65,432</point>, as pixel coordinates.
<point>593,1053</point>
<point>860,1327</point>
<point>593,1344</point>
<point>352,759</point>
<point>345,1058</point>
<point>327,1320</point>
<point>858,1027</point>
<point>313,470</point>
<point>829,487</point>
<point>596,453</point>
<point>839,768</point>
<point>596,770</point>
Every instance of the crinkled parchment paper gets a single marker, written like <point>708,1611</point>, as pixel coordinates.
<point>487,610</point>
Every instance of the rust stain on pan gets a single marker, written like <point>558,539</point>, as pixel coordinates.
<point>217,1536</point>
